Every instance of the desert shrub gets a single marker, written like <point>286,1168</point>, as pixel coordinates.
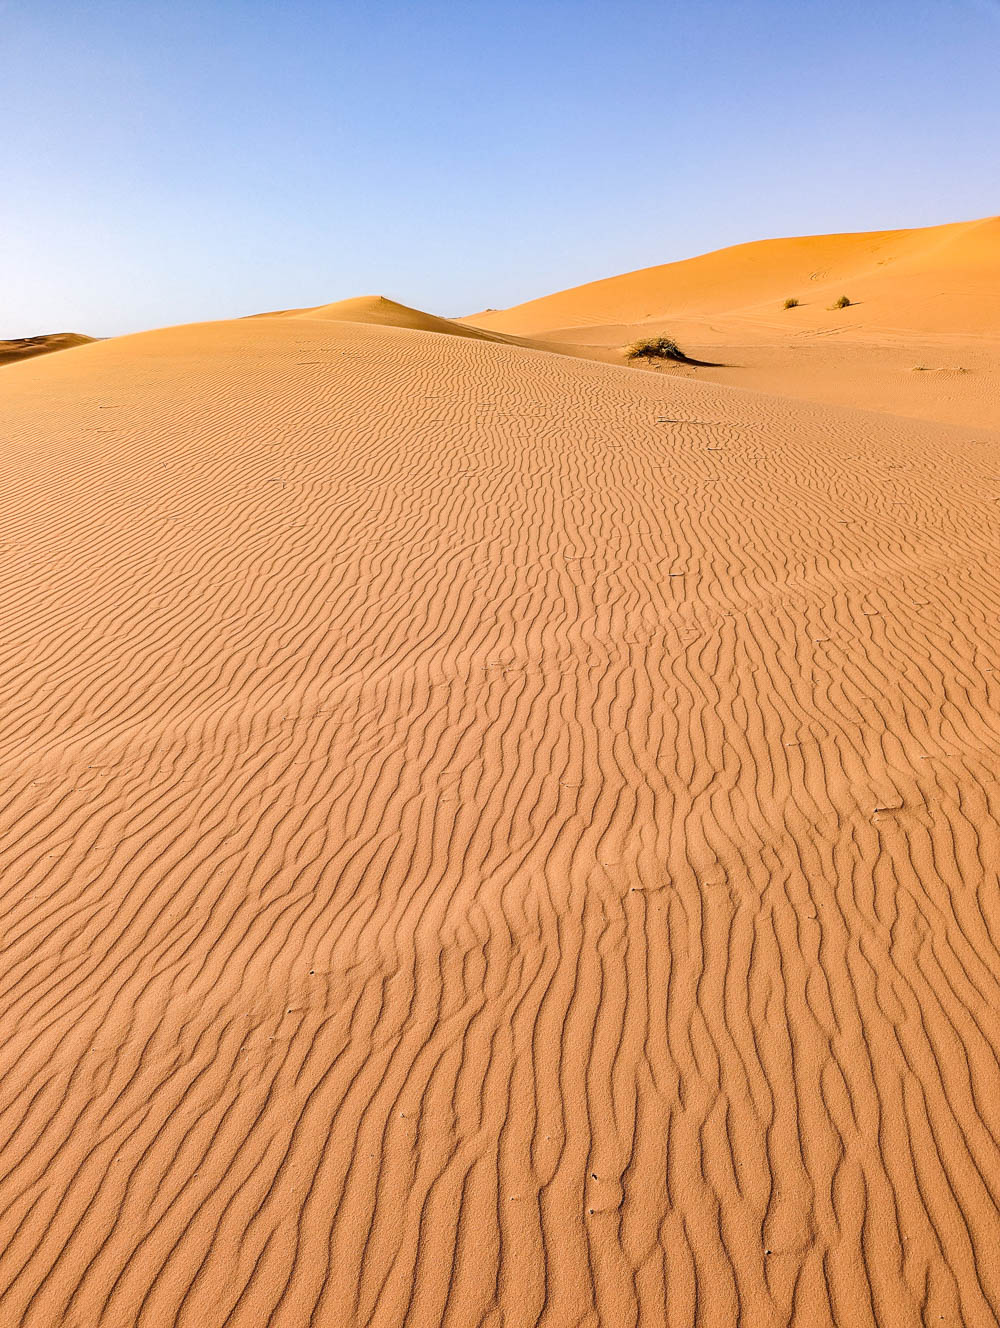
<point>842,303</point>
<point>791,302</point>
<point>654,348</point>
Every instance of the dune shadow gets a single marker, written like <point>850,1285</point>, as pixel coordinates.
<point>652,361</point>
<point>704,364</point>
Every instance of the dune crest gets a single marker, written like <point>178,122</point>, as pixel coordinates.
<point>934,279</point>
<point>919,299</point>
<point>379,310</point>
<point>25,348</point>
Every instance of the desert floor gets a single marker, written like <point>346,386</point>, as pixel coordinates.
<point>495,837</point>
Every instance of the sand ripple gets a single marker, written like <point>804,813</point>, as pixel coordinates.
<point>474,854</point>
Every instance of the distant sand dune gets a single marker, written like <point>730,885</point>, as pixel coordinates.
<point>385,313</point>
<point>938,279</point>
<point>919,295</point>
<point>382,312</point>
<point>491,838</point>
<point>24,348</point>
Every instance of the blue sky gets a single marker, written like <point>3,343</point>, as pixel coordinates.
<point>170,162</point>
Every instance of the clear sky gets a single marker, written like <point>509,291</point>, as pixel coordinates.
<point>167,162</point>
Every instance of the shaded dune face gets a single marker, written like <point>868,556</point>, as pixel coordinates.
<point>25,348</point>
<point>491,838</point>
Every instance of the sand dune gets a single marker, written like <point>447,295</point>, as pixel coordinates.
<point>385,313</point>
<point>24,348</point>
<point>382,312</point>
<point>491,838</point>
<point>925,302</point>
<point>938,279</point>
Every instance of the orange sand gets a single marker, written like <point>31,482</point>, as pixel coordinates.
<point>491,838</point>
<point>921,339</point>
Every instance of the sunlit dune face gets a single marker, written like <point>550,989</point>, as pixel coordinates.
<point>491,837</point>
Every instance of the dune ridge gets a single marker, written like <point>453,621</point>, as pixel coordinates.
<point>934,279</point>
<point>384,312</point>
<point>491,838</point>
<point>24,348</point>
<point>920,339</point>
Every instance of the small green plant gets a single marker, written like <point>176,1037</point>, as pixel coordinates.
<point>791,302</point>
<point>842,303</point>
<point>654,348</point>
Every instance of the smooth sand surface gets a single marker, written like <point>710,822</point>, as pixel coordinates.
<point>940,278</point>
<point>491,838</point>
<point>921,338</point>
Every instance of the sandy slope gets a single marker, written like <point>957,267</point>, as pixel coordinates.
<point>383,312</point>
<point>937,279</point>
<point>491,838</point>
<point>921,339</point>
<point>24,348</point>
